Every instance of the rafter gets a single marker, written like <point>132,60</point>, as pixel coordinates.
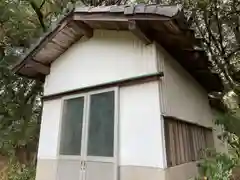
<point>140,33</point>
<point>39,67</point>
<point>84,28</point>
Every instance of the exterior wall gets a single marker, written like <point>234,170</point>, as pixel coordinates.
<point>100,60</point>
<point>182,96</point>
<point>141,131</point>
<point>141,137</point>
<point>46,169</point>
<point>185,171</point>
<point>50,125</point>
<point>96,61</point>
<point>48,143</point>
<point>137,126</point>
<point>141,173</point>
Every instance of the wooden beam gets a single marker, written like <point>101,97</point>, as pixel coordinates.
<point>36,48</point>
<point>137,31</point>
<point>39,67</point>
<point>122,82</point>
<point>84,28</point>
<point>118,17</point>
<point>184,120</point>
<point>97,17</point>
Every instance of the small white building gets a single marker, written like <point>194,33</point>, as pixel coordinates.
<point>125,95</point>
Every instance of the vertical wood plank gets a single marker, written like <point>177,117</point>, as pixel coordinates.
<point>198,140</point>
<point>185,142</point>
<point>172,144</point>
<point>204,144</point>
<point>194,142</point>
<point>167,141</point>
<point>177,145</point>
<point>181,144</point>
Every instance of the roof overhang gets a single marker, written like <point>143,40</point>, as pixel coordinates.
<point>163,24</point>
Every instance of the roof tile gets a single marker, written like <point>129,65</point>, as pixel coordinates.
<point>129,10</point>
<point>82,9</point>
<point>140,8</point>
<point>100,9</point>
<point>168,11</point>
<point>117,9</point>
<point>151,9</point>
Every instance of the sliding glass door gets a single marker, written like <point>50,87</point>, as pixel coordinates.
<point>88,141</point>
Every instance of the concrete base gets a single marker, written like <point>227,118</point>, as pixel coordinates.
<point>47,170</point>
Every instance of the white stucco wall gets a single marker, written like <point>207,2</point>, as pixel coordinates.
<point>48,142</point>
<point>107,56</point>
<point>141,131</point>
<point>140,127</point>
<point>111,56</point>
<point>184,98</point>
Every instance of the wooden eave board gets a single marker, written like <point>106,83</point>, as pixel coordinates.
<point>155,23</point>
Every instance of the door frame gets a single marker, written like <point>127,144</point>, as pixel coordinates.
<point>83,156</point>
<point>63,99</point>
<point>101,158</point>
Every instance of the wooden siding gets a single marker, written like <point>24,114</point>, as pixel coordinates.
<point>185,142</point>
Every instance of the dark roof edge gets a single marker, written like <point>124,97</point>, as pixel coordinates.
<point>156,10</point>
<point>47,35</point>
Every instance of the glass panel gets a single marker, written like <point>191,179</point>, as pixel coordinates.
<point>101,125</point>
<point>71,134</point>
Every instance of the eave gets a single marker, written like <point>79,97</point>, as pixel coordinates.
<point>163,24</point>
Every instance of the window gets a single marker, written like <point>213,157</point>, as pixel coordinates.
<point>101,125</point>
<point>71,134</point>
<point>88,130</point>
<point>185,141</point>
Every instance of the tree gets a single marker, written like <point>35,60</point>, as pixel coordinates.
<point>21,21</point>
<point>216,22</point>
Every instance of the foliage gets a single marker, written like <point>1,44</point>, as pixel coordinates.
<point>21,21</point>
<point>216,22</point>
<point>18,171</point>
<point>218,166</point>
<point>15,170</point>
<point>230,121</point>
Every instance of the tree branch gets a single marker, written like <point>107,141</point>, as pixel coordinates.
<point>207,21</point>
<point>39,15</point>
<point>229,56</point>
<point>219,28</point>
<point>236,30</point>
<point>42,4</point>
<point>221,67</point>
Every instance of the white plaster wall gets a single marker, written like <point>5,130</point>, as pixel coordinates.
<point>107,56</point>
<point>140,126</point>
<point>48,142</point>
<point>183,96</point>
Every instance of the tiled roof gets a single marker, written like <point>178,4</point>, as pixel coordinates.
<point>148,22</point>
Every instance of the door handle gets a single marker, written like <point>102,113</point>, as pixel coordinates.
<point>83,165</point>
